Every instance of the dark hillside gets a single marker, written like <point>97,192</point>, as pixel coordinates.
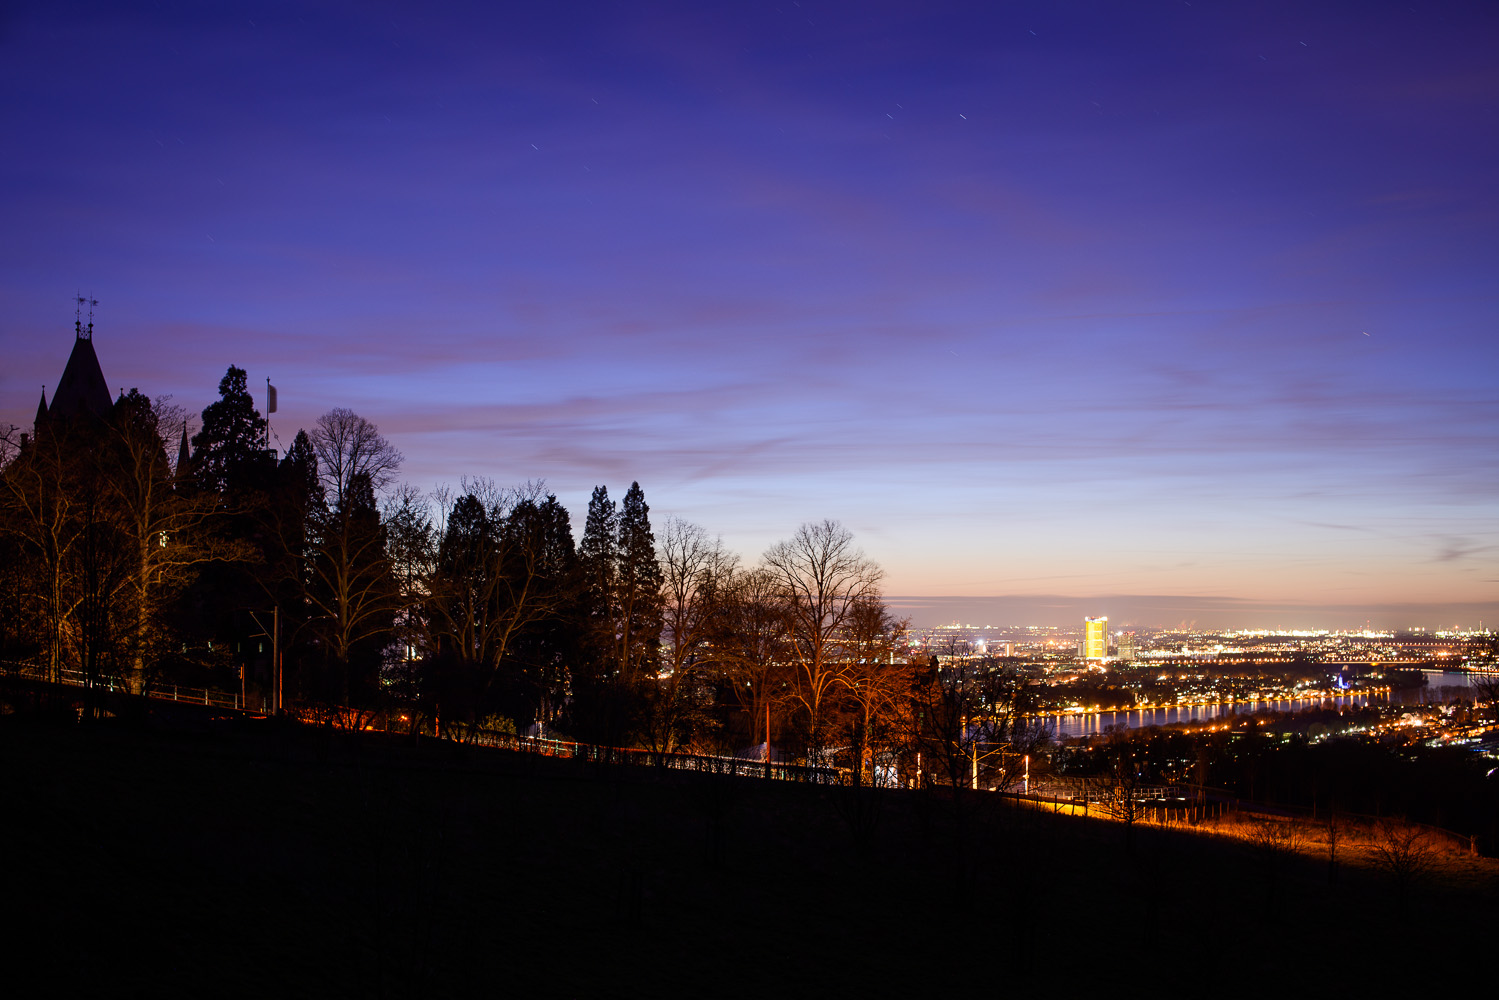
<point>259,859</point>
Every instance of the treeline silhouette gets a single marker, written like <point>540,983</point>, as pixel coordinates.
<point>1276,760</point>
<point>319,584</point>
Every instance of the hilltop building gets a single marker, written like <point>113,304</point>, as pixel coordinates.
<point>82,395</point>
<point>82,391</point>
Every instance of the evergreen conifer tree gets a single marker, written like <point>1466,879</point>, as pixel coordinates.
<point>555,643</point>
<point>228,453</point>
<point>598,560</point>
<point>598,709</point>
<point>639,589</point>
<point>292,516</point>
<point>299,474</point>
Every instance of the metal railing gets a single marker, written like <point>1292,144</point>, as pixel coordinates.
<point>73,677</point>
<point>677,761</point>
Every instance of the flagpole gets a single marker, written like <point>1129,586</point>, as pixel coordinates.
<point>270,407</point>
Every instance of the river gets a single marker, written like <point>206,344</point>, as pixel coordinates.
<point>1441,686</point>
<point>1073,724</point>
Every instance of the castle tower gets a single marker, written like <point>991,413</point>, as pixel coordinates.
<point>82,389</point>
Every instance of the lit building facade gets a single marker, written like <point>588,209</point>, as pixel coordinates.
<point>1096,639</point>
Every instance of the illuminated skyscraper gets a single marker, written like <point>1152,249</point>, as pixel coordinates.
<point>1095,639</point>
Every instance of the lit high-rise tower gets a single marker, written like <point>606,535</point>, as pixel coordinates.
<point>1096,639</point>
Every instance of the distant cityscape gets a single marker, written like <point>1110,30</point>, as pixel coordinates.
<point>1425,682</point>
<point>1455,647</point>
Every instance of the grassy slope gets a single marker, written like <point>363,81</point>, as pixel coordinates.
<point>254,858</point>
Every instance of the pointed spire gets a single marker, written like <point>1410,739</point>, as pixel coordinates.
<point>41,409</point>
<point>184,453</point>
<point>82,389</point>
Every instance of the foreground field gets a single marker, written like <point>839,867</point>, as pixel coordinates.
<point>256,858</point>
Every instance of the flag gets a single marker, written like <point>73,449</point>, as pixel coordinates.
<point>270,398</point>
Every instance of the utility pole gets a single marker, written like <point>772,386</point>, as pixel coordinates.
<point>276,653</point>
<point>274,634</point>
<point>767,737</point>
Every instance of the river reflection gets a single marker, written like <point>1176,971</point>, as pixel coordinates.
<point>1073,724</point>
<point>1441,686</point>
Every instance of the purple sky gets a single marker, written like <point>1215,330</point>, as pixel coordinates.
<point>1038,299</point>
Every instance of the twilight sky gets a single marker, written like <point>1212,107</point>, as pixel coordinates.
<point>1057,298</point>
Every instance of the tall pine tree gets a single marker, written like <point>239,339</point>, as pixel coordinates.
<point>552,643</point>
<point>228,453</point>
<point>599,709</point>
<point>598,555</point>
<point>229,461</point>
<point>639,590</point>
<point>621,586</point>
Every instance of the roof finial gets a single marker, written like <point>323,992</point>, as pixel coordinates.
<point>78,327</point>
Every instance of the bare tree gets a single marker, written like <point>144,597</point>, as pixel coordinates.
<point>876,684</point>
<point>1336,827</point>
<point>941,739</point>
<point>1118,788</point>
<point>1404,852</point>
<point>347,445</point>
<point>352,592</point>
<point>111,535</point>
<point>750,639</point>
<point>43,500</point>
<point>100,569</point>
<point>823,577</point>
<point>492,580</point>
<point>468,580</point>
<point>968,723</point>
<point>166,532</point>
<point>10,444</point>
<point>1275,844</point>
<point>696,572</point>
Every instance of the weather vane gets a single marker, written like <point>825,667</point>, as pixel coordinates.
<point>89,301</point>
